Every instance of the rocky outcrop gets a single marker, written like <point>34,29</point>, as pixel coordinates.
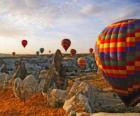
<point>4,80</point>
<point>83,97</point>
<point>80,98</point>
<point>56,98</point>
<point>55,77</point>
<point>23,89</point>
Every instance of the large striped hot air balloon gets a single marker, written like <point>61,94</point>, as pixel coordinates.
<point>66,44</point>
<point>81,62</point>
<point>73,52</point>
<point>117,54</point>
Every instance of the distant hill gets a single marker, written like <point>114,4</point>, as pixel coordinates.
<point>3,55</point>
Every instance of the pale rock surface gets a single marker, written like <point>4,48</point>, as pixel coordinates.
<point>80,98</point>
<point>115,114</point>
<point>42,77</point>
<point>25,88</point>
<point>4,80</point>
<point>56,98</point>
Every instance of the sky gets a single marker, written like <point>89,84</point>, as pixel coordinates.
<point>44,23</point>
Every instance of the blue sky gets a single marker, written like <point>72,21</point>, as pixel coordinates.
<point>44,23</point>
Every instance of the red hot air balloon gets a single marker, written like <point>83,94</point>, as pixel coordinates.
<point>73,52</point>
<point>91,50</point>
<point>117,54</point>
<point>82,62</point>
<point>24,43</point>
<point>66,43</point>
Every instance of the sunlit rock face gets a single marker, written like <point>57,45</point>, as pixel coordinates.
<point>23,89</point>
<point>81,97</point>
<point>4,80</point>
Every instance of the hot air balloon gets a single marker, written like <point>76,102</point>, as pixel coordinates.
<point>117,54</point>
<point>73,52</point>
<point>66,44</point>
<point>41,50</point>
<point>13,53</point>
<point>37,53</point>
<point>24,43</point>
<point>49,51</point>
<point>91,50</point>
<point>81,62</point>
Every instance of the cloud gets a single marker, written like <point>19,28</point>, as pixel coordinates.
<point>50,14</point>
<point>77,19</point>
<point>112,10</point>
<point>8,28</point>
<point>130,11</point>
<point>19,19</point>
<point>91,9</point>
<point>15,33</point>
<point>36,3</point>
<point>40,12</point>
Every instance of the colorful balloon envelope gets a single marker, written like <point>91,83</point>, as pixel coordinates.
<point>73,52</point>
<point>81,62</point>
<point>91,50</point>
<point>24,43</point>
<point>66,44</point>
<point>117,55</point>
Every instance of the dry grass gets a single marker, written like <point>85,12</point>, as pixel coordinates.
<point>35,106</point>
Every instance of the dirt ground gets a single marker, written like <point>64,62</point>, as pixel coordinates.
<point>36,105</point>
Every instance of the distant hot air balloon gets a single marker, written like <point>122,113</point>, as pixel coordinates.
<point>37,53</point>
<point>41,50</point>
<point>91,50</point>
<point>66,43</point>
<point>73,52</point>
<point>13,53</point>
<point>49,51</point>
<point>82,62</point>
<point>24,43</point>
<point>117,55</point>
